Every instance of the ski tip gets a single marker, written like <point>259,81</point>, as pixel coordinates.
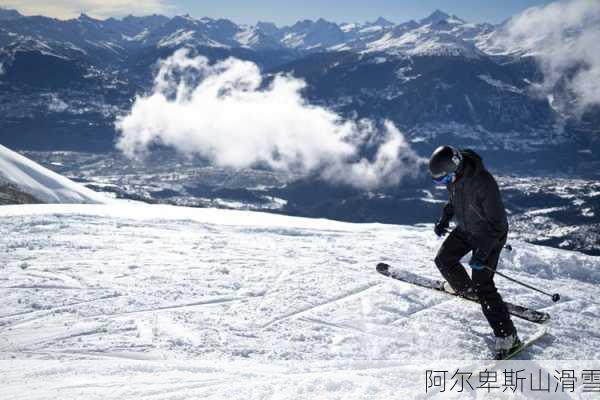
<point>382,267</point>
<point>541,318</point>
<point>544,318</point>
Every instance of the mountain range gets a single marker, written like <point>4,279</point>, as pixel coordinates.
<point>63,82</point>
<point>115,37</point>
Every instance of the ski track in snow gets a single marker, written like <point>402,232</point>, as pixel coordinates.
<point>135,283</point>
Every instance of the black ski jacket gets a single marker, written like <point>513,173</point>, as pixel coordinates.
<point>476,205</point>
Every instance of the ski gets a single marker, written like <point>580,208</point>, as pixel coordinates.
<point>408,277</point>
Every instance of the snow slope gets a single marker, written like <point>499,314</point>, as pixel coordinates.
<point>425,40</point>
<point>147,301</point>
<point>41,183</point>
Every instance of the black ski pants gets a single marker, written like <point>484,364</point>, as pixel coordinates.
<point>454,248</point>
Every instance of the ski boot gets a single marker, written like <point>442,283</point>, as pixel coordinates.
<point>469,293</point>
<point>505,346</point>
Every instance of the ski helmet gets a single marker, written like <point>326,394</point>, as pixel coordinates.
<point>444,161</point>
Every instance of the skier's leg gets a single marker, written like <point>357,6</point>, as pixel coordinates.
<point>492,304</point>
<point>448,261</point>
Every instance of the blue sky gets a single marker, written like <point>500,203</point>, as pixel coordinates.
<point>286,12</point>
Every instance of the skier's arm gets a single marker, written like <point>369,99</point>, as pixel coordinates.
<point>447,213</point>
<point>443,223</point>
<point>494,216</point>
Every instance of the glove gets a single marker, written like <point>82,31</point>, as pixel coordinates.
<point>477,261</point>
<point>476,265</point>
<point>440,228</point>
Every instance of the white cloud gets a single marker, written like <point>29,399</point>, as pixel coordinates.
<point>65,9</point>
<point>55,104</point>
<point>565,37</point>
<point>225,113</point>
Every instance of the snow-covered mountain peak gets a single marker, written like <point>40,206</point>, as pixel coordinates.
<point>254,38</point>
<point>313,35</point>
<point>434,17</point>
<point>267,26</point>
<point>442,21</point>
<point>8,14</point>
<point>85,17</point>
<point>404,27</point>
<point>424,40</point>
<point>186,20</point>
<point>383,22</point>
<point>188,17</point>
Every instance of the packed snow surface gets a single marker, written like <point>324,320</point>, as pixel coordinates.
<point>41,183</point>
<point>144,301</point>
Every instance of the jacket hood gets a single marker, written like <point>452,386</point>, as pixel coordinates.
<point>472,160</point>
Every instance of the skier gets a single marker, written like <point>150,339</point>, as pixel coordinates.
<point>481,227</point>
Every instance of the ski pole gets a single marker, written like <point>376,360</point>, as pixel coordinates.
<point>555,297</point>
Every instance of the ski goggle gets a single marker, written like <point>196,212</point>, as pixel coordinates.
<point>445,179</point>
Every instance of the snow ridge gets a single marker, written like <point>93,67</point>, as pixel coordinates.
<point>41,183</point>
